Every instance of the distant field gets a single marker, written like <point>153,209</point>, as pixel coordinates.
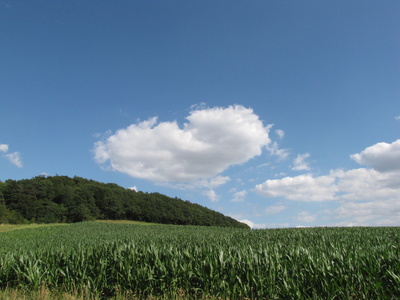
<point>10,227</point>
<point>192,262</point>
<point>127,222</point>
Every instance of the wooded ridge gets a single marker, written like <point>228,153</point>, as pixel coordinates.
<point>55,199</point>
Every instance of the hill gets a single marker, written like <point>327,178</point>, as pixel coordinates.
<point>63,199</point>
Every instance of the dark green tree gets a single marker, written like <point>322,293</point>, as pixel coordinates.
<point>65,199</point>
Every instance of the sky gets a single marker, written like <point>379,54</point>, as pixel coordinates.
<point>276,113</point>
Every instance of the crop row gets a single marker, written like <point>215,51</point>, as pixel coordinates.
<point>309,263</point>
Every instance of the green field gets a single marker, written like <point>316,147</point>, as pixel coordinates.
<point>177,262</point>
<point>10,227</point>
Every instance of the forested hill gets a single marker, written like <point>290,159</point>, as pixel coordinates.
<point>64,199</point>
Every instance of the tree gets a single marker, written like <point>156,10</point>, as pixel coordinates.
<point>65,199</point>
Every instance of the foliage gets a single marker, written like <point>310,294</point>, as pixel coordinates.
<point>63,199</point>
<point>106,258</point>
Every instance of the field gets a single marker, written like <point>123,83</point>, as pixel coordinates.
<point>10,227</point>
<point>190,262</point>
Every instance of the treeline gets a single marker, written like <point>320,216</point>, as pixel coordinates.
<point>63,199</point>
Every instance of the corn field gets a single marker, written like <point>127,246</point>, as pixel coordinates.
<point>201,262</point>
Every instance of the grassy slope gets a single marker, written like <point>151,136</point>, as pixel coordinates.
<point>10,227</point>
<point>128,222</point>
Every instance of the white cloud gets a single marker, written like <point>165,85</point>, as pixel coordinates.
<point>239,196</point>
<point>3,147</point>
<point>264,165</point>
<point>274,209</point>
<point>133,188</point>
<point>370,213</point>
<point>299,162</point>
<point>381,156</point>
<point>280,133</point>
<point>211,141</point>
<point>248,222</point>
<point>366,184</point>
<point>354,185</point>
<point>251,224</point>
<point>281,174</point>
<point>213,182</point>
<point>365,196</point>
<point>274,149</point>
<point>397,118</point>
<point>15,159</point>
<point>300,188</point>
<point>212,195</point>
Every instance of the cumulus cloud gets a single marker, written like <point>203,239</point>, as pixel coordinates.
<point>381,181</point>
<point>239,196</point>
<point>280,133</point>
<point>367,213</point>
<point>14,158</point>
<point>299,188</point>
<point>3,147</point>
<point>274,149</point>
<point>212,140</point>
<point>248,222</point>
<point>300,163</point>
<point>381,156</point>
<point>365,196</point>
<point>212,195</point>
<point>251,224</point>
<point>366,184</point>
<point>353,185</point>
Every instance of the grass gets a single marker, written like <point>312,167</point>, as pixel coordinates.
<point>40,294</point>
<point>127,222</point>
<point>11,227</point>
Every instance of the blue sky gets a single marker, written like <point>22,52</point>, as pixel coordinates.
<point>277,113</point>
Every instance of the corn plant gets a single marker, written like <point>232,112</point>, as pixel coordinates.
<point>106,258</point>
